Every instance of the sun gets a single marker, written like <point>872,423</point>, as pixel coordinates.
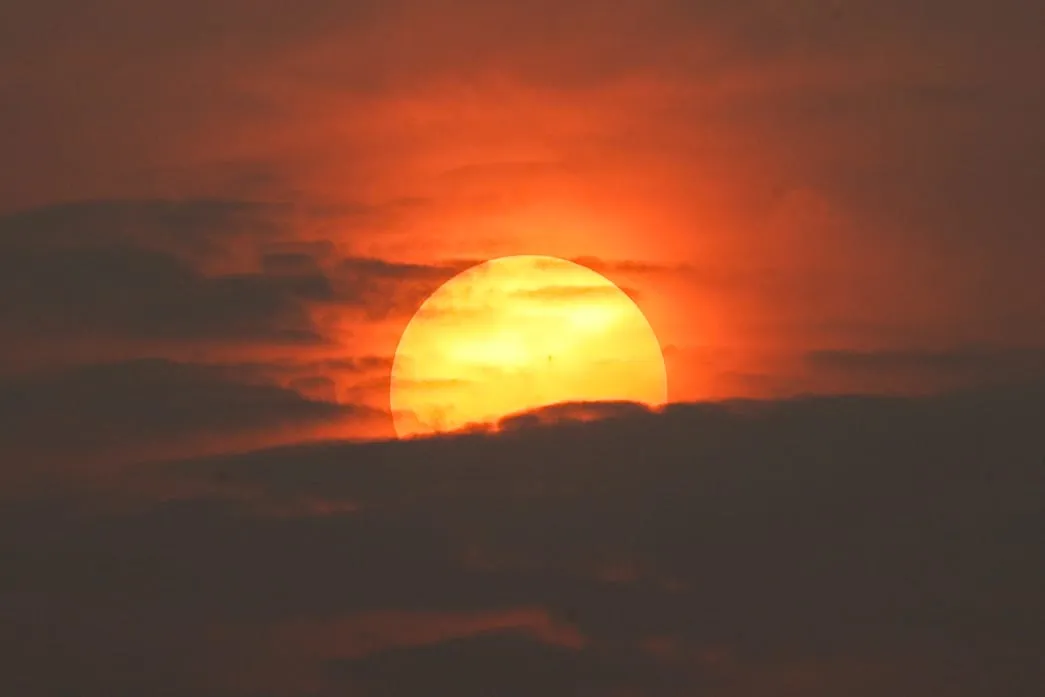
<point>517,333</point>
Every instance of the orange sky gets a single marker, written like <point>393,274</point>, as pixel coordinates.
<point>795,208</point>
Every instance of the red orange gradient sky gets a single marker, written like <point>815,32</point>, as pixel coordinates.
<point>800,197</point>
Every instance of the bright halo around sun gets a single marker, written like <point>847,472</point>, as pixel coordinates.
<point>517,333</point>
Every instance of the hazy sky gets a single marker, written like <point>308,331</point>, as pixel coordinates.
<point>217,217</point>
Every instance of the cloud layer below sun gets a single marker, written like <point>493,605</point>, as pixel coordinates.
<point>822,545</point>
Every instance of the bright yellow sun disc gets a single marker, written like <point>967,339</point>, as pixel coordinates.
<point>519,333</point>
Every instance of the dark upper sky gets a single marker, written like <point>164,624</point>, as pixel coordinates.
<point>217,217</point>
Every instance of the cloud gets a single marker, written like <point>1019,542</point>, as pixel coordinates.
<point>835,532</point>
<point>87,412</point>
<point>390,289</point>
<point>495,663</point>
<point>726,497</point>
<point>121,291</point>
<point>317,386</point>
<point>612,267</point>
<point>901,369</point>
<point>579,293</point>
<point>135,270</point>
<point>292,263</point>
<point>199,230</point>
<point>189,271</point>
<point>571,411</point>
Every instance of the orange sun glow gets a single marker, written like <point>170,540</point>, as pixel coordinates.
<point>517,333</point>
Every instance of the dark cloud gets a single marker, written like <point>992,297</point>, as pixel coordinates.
<point>129,292</point>
<point>305,372</point>
<point>364,268</point>
<point>136,270</point>
<point>139,270</point>
<point>390,289</point>
<point>499,663</point>
<point>752,486</point>
<point>605,266</point>
<point>570,411</point>
<point>895,532</point>
<point>199,230</point>
<point>84,411</point>
<point>951,367</point>
<point>289,263</point>
<point>819,527</point>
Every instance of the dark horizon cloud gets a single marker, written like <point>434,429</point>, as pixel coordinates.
<point>497,662</point>
<point>707,547</point>
<point>80,415</point>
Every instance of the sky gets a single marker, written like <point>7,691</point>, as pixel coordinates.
<point>217,218</point>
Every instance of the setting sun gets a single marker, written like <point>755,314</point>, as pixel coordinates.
<point>518,333</point>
